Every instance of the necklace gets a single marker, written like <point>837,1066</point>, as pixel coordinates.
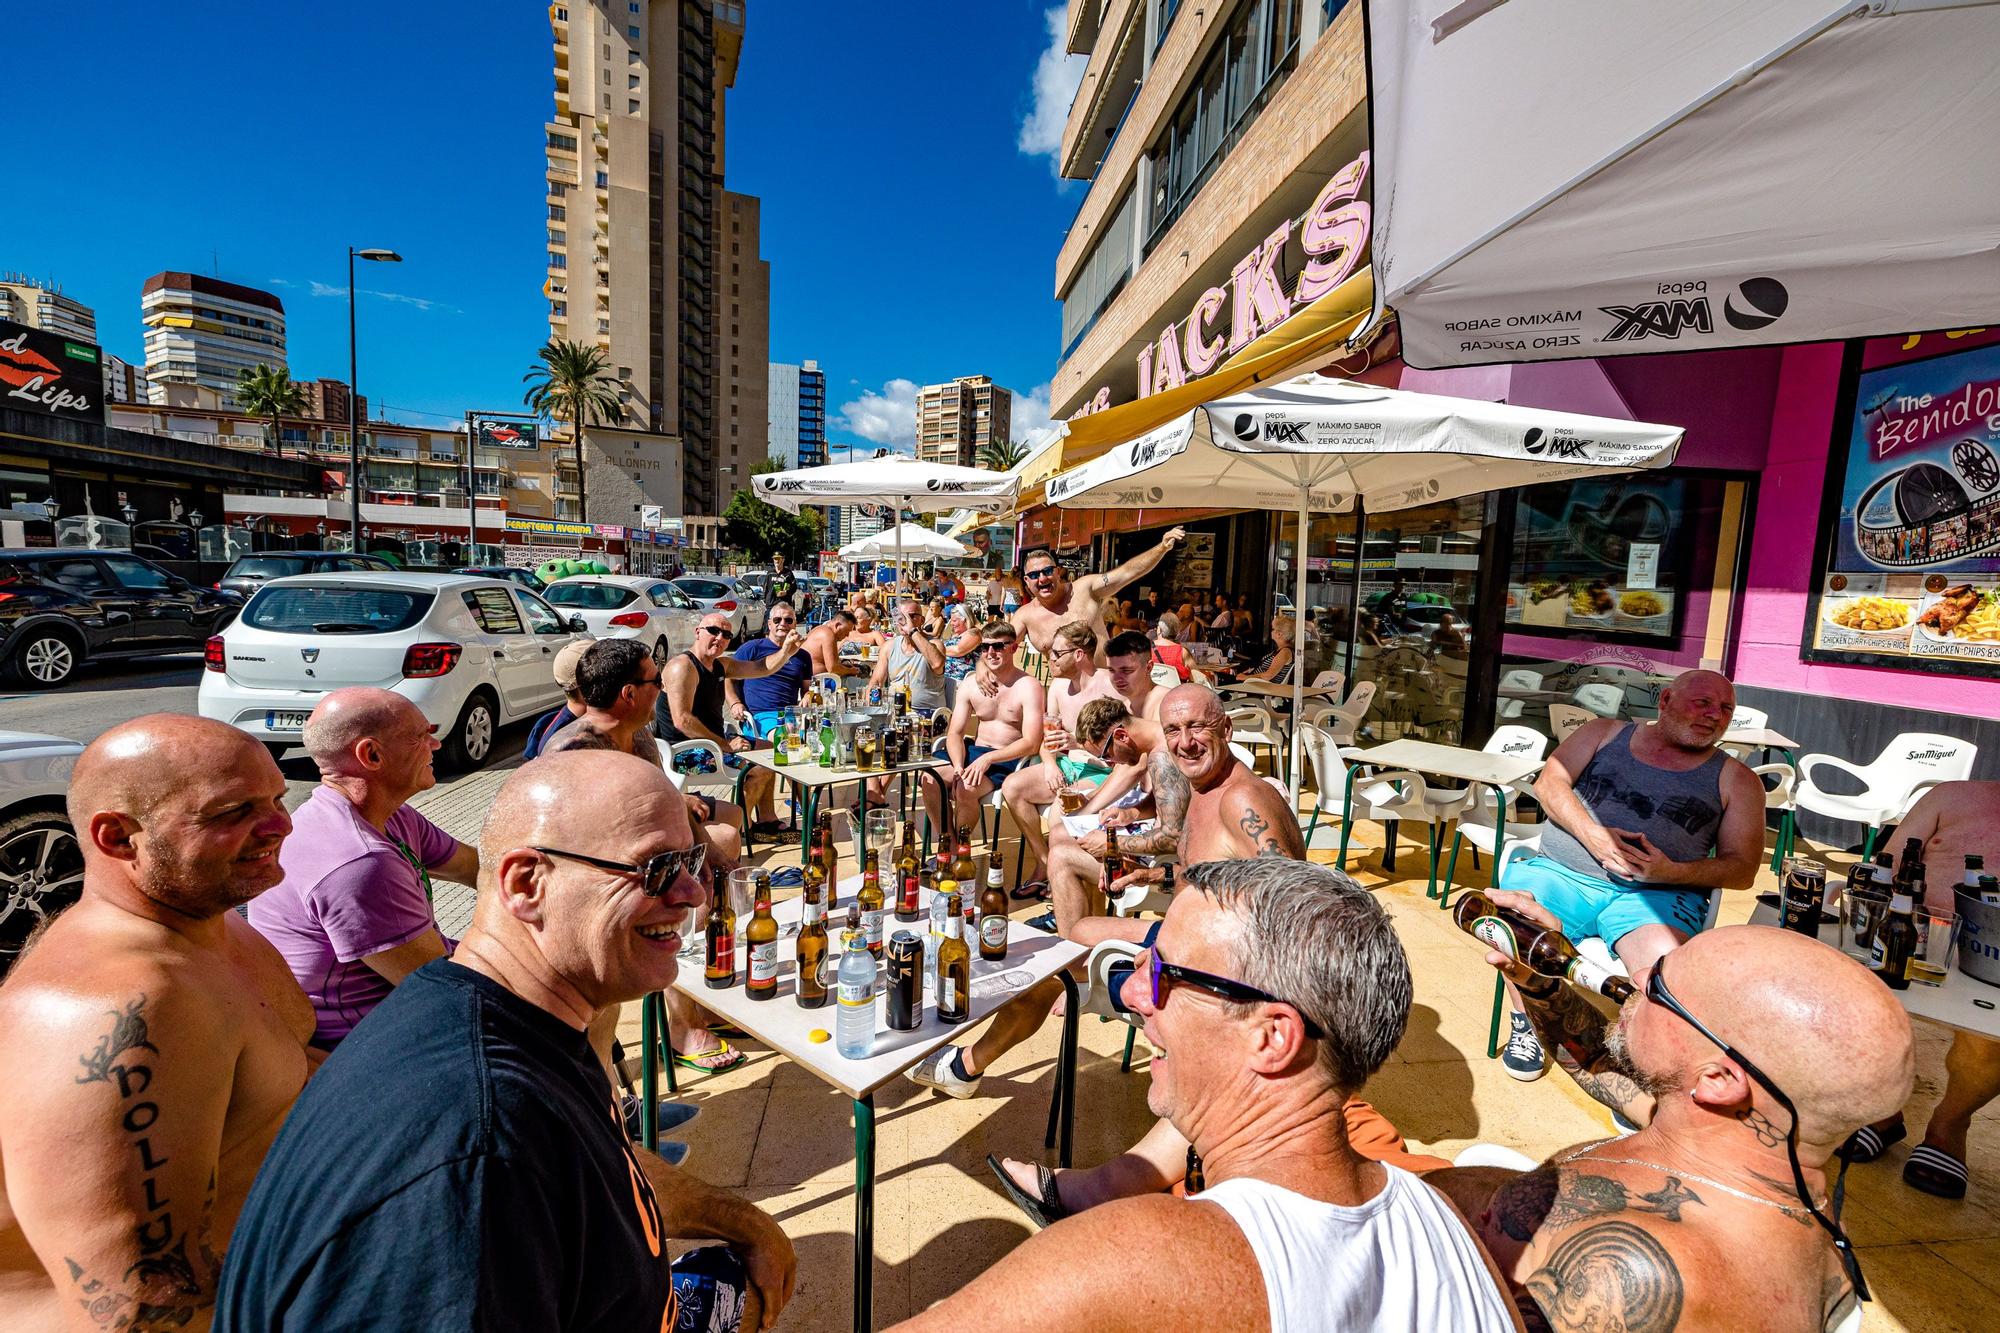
<point>1790,1210</point>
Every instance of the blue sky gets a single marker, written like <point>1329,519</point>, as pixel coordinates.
<point>911,230</point>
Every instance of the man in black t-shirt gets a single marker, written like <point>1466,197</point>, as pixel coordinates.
<point>784,583</point>
<point>458,1163</point>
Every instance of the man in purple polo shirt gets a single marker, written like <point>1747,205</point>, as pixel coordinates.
<point>353,914</point>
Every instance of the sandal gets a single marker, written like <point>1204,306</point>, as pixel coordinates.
<point>1935,1171</point>
<point>1868,1143</point>
<point>1043,1210</point>
<point>1035,890</point>
<point>730,1057</point>
<point>790,877</point>
<point>770,828</point>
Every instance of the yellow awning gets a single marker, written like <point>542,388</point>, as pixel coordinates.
<point>1311,337</point>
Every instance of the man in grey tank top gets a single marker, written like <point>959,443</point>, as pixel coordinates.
<point>1645,819</point>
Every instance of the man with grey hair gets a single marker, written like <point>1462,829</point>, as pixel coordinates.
<point>1274,990</point>
<point>353,916</point>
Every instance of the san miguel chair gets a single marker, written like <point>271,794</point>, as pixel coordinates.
<point>1475,808</point>
<point>1908,766</point>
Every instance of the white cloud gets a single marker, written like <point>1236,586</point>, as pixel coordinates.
<point>1057,74</point>
<point>420,302</point>
<point>886,417</point>
<point>1031,412</point>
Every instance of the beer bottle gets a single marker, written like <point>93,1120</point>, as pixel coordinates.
<point>1115,866</point>
<point>1895,941</point>
<point>870,899</point>
<point>811,993</point>
<point>954,994</point>
<point>760,939</point>
<point>1975,870</point>
<point>1536,950</point>
<point>1911,864</point>
<point>720,973</point>
<point>906,875</point>
<point>829,860</point>
<point>993,912</point>
<point>962,868</point>
<point>1195,1182</point>
<point>780,746</point>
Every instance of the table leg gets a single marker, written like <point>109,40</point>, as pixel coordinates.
<point>1346,820</point>
<point>864,1214</point>
<point>1067,1084</point>
<point>649,1077</point>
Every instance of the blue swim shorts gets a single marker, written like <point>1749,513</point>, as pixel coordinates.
<point>1587,905</point>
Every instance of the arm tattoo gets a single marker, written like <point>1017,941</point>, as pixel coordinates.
<point>1574,1030</point>
<point>1171,794</point>
<point>1610,1275</point>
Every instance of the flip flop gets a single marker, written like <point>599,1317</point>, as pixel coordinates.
<point>1042,1211</point>
<point>1868,1143</point>
<point>770,828</point>
<point>1035,890</point>
<point>1935,1171</point>
<point>788,878</point>
<point>733,1058</point>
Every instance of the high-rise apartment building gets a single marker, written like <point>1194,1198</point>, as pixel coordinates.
<point>206,331</point>
<point>956,420</point>
<point>42,305</point>
<point>797,416</point>
<point>1207,133</point>
<point>641,237</point>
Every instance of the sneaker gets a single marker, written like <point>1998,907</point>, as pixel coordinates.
<point>935,1071</point>
<point>1523,1055</point>
<point>669,1115</point>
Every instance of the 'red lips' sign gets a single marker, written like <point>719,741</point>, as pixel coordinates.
<point>48,373</point>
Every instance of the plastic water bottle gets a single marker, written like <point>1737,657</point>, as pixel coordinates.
<point>854,1033</point>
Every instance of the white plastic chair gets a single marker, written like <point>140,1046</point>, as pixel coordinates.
<point>1564,719</point>
<point>1388,796</point>
<point>1519,678</point>
<point>1164,676</point>
<point>1745,718</point>
<point>1475,807</point>
<point>1601,698</point>
<point>1254,725</point>
<point>1909,765</point>
<point>1783,799</point>
<point>719,783</point>
<point>1096,998</point>
<point>1344,720</point>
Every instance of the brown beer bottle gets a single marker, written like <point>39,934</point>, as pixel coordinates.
<point>954,964</point>
<point>811,992</point>
<point>993,911</point>
<point>720,974</point>
<point>870,899</point>
<point>1536,950</point>
<point>829,861</point>
<point>906,875</point>
<point>962,868</point>
<point>1115,866</point>
<point>760,939</point>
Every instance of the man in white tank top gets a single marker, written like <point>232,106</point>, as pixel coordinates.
<point>1273,991</point>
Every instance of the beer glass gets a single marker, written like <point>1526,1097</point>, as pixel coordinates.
<point>743,893</point>
<point>864,748</point>
<point>881,830</point>
<point>1073,799</point>
<point>1937,941</point>
<point>1862,911</point>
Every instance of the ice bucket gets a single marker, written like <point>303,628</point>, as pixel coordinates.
<point>1978,938</point>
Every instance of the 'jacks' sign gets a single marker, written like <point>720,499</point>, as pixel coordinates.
<point>48,373</point>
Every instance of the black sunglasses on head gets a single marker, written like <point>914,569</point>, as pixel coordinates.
<point>654,876</point>
<point>1657,992</point>
<point>1165,975</point>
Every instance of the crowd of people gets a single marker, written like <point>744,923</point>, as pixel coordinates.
<point>320,1112</point>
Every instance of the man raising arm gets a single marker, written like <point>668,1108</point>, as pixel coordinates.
<point>1054,600</point>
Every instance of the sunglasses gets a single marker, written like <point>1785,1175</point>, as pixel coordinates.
<point>713,629</point>
<point>641,682</point>
<point>1039,574</point>
<point>1003,646</point>
<point>1657,992</point>
<point>1164,976</point>
<point>654,876</point>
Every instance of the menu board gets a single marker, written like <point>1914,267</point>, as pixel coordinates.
<point>1911,569</point>
<point>1598,557</point>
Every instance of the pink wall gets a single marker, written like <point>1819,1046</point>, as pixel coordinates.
<point>1781,551</point>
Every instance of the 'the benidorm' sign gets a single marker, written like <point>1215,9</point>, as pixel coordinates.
<point>1299,262</point>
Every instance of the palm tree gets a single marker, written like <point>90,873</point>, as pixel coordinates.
<point>1002,455</point>
<point>571,385</point>
<point>268,391</point>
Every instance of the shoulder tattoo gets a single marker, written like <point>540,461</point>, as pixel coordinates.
<point>1611,1275</point>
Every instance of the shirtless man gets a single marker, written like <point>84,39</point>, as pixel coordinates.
<point>823,644</point>
<point>1231,812</point>
<point>1054,600</point>
<point>1074,680</point>
<point>1128,659</point>
<point>1002,706</point>
<point>152,1039</point>
<point>1695,1221</point>
<point>1954,819</point>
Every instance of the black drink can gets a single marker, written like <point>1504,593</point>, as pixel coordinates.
<point>905,997</point>
<point>1802,892</point>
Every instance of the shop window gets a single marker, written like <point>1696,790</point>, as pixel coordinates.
<point>1610,558</point>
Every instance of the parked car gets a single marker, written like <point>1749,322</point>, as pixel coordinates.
<point>473,653</point>
<point>629,606</point>
<point>60,608</point>
<point>525,577</point>
<point>41,867</point>
<point>721,592</point>
<point>251,572</point>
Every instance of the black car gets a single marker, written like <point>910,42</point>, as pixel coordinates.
<point>251,572</point>
<point>61,608</point>
<point>525,577</point>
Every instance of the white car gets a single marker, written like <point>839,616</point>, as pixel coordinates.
<point>628,606</point>
<point>41,867</point>
<point>473,653</point>
<point>732,597</point>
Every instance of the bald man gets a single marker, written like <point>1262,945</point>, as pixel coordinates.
<point>353,914</point>
<point>1644,819</point>
<point>1696,1220</point>
<point>152,1041</point>
<point>459,1163</point>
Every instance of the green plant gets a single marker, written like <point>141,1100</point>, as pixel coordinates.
<point>571,384</point>
<point>759,528</point>
<point>1001,455</point>
<point>268,391</point>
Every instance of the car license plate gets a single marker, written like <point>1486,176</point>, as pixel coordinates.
<point>275,721</point>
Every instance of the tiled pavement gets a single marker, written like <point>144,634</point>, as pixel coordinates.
<point>783,1138</point>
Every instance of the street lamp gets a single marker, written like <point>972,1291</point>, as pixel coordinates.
<point>130,513</point>
<point>353,388</point>
<point>194,519</point>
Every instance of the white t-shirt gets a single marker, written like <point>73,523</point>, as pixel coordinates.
<point>1403,1262</point>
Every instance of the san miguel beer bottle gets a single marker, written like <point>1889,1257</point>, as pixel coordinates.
<point>962,868</point>
<point>720,974</point>
<point>870,899</point>
<point>1536,950</point>
<point>829,862</point>
<point>906,876</point>
<point>760,939</point>
<point>811,993</point>
<point>993,911</point>
<point>954,964</point>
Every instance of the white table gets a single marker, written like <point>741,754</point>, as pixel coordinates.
<point>1032,956</point>
<point>816,778</point>
<point>1476,767</point>
<point>1955,1004</point>
<point>1274,691</point>
<point>1760,738</point>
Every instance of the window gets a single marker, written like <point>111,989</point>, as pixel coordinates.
<point>565,143</point>
<point>559,309</point>
<point>1101,277</point>
<point>557,213</point>
<point>603,180</point>
<point>631,57</point>
<point>558,260</point>
<point>632,31</point>
<point>558,238</point>
<point>335,609</point>
<point>631,80</point>
<point>590,596</point>
<point>631,106</point>
<point>81,575</point>
<point>632,6</point>
<point>493,610</point>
